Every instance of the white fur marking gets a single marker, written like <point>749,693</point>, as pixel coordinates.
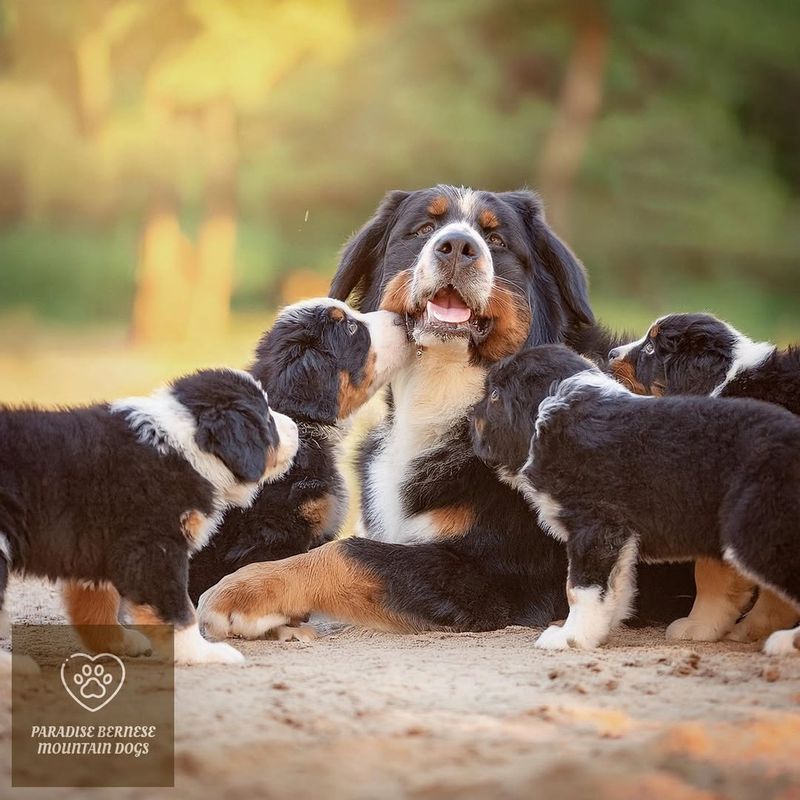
<point>782,643</point>
<point>747,354</point>
<point>192,648</point>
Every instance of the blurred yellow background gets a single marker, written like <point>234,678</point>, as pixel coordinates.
<point>171,172</point>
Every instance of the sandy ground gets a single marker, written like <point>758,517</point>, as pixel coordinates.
<point>357,714</point>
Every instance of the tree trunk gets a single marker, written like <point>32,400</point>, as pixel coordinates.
<point>216,243</point>
<point>578,105</point>
<point>163,277</point>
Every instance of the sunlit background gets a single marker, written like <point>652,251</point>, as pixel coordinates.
<point>172,171</point>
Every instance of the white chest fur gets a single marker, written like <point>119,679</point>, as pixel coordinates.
<point>431,396</point>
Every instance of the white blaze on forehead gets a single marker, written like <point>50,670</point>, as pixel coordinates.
<point>468,202</point>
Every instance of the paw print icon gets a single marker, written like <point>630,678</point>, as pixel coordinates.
<point>93,681</point>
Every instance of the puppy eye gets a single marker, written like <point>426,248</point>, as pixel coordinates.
<point>425,229</point>
<point>352,328</point>
<point>494,396</point>
<point>649,349</point>
<point>495,239</point>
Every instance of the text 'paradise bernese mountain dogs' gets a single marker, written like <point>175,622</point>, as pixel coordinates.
<point>618,478</point>
<point>700,354</point>
<point>319,363</point>
<point>444,544</point>
<point>113,498</point>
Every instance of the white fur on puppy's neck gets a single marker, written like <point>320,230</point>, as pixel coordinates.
<point>747,354</point>
<point>160,421</point>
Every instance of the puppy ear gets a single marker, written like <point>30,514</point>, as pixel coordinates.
<point>696,361</point>
<point>362,255</point>
<point>237,440</point>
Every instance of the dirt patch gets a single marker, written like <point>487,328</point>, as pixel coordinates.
<point>358,714</point>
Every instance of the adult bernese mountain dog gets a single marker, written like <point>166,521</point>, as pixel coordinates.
<point>113,498</point>
<point>700,354</point>
<point>618,478</point>
<point>445,544</point>
<point>319,363</point>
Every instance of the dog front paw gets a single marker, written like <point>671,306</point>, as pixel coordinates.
<point>553,638</point>
<point>783,643</point>
<point>695,630</point>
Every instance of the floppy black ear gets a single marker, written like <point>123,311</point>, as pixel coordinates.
<point>363,253</point>
<point>692,373</point>
<point>235,439</point>
<point>566,269</point>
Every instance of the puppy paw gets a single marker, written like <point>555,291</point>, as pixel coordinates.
<point>192,648</point>
<point>553,638</point>
<point>300,633</point>
<point>135,644</point>
<point>782,643</point>
<point>695,630</point>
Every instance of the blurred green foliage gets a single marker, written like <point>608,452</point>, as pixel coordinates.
<point>687,196</point>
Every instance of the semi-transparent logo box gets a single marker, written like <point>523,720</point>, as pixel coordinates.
<point>82,716</point>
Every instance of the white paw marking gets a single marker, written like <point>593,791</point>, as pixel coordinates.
<point>135,643</point>
<point>553,638</point>
<point>192,648</point>
<point>782,643</point>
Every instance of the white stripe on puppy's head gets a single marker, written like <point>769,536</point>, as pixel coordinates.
<point>220,422</point>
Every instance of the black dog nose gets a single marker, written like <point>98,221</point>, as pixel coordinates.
<point>457,246</point>
<point>614,353</point>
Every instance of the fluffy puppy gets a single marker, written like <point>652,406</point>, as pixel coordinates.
<point>700,354</point>
<point>320,362</point>
<point>619,478</point>
<point>113,498</point>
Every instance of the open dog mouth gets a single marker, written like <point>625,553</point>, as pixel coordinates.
<point>448,315</point>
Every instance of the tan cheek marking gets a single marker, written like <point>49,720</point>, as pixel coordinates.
<point>453,521</point>
<point>438,206</point>
<point>324,580</point>
<point>625,373</point>
<point>480,424</point>
<point>488,219</point>
<point>512,323</point>
<point>352,397</point>
<point>271,460</point>
<point>318,513</point>
<point>397,294</point>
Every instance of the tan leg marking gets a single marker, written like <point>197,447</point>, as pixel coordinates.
<point>454,520</point>
<point>264,596</point>
<point>91,606</point>
<point>318,513</point>
<point>722,595</point>
<point>768,615</point>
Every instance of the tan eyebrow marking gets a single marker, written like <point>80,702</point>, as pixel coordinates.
<point>653,332</point>
<point>438,206</point>
<point>488,219</point>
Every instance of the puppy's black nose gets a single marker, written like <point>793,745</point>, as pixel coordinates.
<point>457,248</point>
<point>614,353</point>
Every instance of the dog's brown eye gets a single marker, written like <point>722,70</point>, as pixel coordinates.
<point>352,328</point>
<point>495,239</point>
<point>649,349</point>
<point>425,229</point>
<point>494,396</point>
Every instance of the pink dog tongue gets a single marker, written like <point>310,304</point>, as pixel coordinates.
<point>447,306</point>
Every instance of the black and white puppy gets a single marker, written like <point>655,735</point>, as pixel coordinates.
<point>700,354</point>
<point>113,498</point>
<point>619,478</point>
<point>320,362</point>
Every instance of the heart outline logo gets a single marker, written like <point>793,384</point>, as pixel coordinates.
<point>96,674</point>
